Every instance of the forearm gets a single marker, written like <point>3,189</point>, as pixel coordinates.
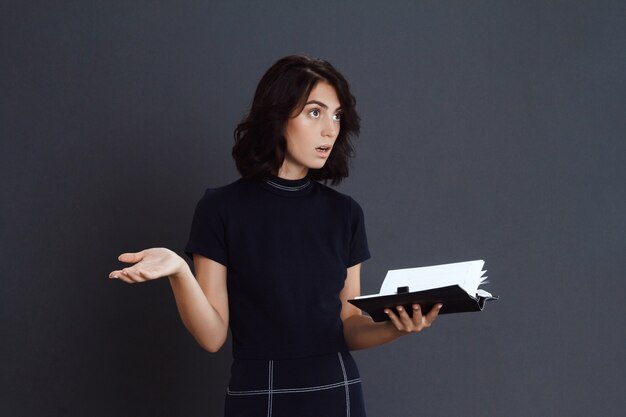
<point>198,315</point>
<point>361,332</point>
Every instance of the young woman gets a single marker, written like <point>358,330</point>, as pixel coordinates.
<point>277,254</point>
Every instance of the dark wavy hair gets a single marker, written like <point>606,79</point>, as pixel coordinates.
<point>260,145</point>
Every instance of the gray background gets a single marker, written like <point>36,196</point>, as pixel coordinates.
<point>491,129</point>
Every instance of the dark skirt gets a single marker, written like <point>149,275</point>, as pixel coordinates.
<point>327,385</point>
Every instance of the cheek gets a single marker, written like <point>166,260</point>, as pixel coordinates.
<point>299,130</point>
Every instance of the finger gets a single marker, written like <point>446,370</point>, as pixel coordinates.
<point>407,323</point>
<point>433,313</point>
<point>394,319</point>
<point>131,257</point>
<point>126,279</point>
<point>115,274</point>
<point>142,275</point>
<point>133,275</point>
<point>417,317</point>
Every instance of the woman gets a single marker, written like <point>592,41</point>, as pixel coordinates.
<point>277,255</point>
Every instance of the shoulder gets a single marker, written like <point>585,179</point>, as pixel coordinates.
<point>220,200</point>
<point>339,198</point>
<point>225,192</point>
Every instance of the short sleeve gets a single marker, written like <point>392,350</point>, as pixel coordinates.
<point>359,250</point>
<point>207,235</point>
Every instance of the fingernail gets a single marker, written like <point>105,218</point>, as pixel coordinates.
<point>416,307</point>
<point>387,311</point>
<point>399,308</point>
<point>439,305</point>
<point>113,277</point>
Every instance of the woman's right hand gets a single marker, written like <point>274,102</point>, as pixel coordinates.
<point>149,264</point>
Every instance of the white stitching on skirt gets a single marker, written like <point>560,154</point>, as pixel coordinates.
<point>345,381</point>
<point>294,390</point>
<point>269,400</point>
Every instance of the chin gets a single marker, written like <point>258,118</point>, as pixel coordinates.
<point>318,165</point>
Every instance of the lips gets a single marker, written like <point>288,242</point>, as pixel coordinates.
<point>323,148</point>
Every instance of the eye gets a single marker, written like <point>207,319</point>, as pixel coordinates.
<point>337,117</point>
<point>315,113</point>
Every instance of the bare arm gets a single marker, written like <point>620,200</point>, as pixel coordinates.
<point>202,303</point>
<point>361,332</point>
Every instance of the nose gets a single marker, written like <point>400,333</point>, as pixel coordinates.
<point>330,128</point>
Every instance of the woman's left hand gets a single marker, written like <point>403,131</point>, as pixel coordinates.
<point>415,324</point>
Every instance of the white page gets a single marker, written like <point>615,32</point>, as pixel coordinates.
<point>465,274</point>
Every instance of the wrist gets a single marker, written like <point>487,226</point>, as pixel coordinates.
<point>393,330</point>
<point>182,271</point>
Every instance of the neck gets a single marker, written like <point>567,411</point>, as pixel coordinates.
<point>292,174</point>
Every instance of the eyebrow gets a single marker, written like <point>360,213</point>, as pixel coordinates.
<point>319,103</point>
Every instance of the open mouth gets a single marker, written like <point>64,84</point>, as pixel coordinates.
<point>323,148</point>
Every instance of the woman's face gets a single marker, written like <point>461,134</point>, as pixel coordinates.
<point>311,134</point>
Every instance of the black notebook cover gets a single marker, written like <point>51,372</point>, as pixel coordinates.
<point>453,298</point>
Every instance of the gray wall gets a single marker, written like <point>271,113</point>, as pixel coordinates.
<point>491,129</point>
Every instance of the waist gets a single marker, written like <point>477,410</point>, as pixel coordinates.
<point>289,350</point>
<point>312,373</point>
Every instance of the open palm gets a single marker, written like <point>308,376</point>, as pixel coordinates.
<point>149,264</point>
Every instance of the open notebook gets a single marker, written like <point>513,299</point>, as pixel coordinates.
<point>454,285</point>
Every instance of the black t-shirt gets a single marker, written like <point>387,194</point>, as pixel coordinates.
<point>287,245</point>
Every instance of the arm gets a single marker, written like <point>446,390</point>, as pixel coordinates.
<point>361,332</point>
<point>202,303</point>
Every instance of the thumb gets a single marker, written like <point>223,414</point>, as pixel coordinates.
<point>131,257</point>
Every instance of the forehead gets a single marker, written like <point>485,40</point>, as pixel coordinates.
<point>325,93</point>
